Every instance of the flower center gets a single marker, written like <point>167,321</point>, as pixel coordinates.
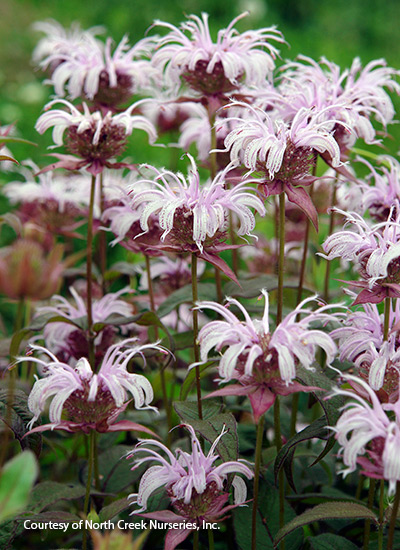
<point>209,83</point>
<point>199,504</point>
<point>80,410</point>
<point>111,143</point>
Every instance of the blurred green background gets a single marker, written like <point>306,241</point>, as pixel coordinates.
<point>339,30</point>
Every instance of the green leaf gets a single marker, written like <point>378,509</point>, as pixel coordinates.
<point>38,324</point>
<point>48,493</point>
<point>228,446</point>
<point>267,521</point>
<point>113,509</point>
<point>331,407</point>
<point>15,414</point>
<point>11,139</point>
<point>328,541</point>
<point>188,411</point>
<point>251,288</point>
<point>190,379</point>
<point>206,291</point>
<point>285,456</point>
<point>16,482</point>
<point>114,469</point>
<point>182,340</point>
<point>326,511</point>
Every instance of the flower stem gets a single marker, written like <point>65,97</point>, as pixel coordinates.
<point>167,405</point>
<point>96,463</point>
<point>367,528</point>
<point>388,307</point>
<point>393,517</point>
<point>210,539</point>
<point>88,484</point>
<point>381,497</point>
<point>195,540</point>
<point>304,256</point>
<point>330,231</point>
<point>281,260</point>
<point>102,240</point>
<point>260,433</point>
<point>89,260</point>
<point>218,285</point>
<point>195,334</point>
<point>281,479</point>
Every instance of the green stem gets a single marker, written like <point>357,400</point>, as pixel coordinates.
<point>367,528</point>
<point>88,485</point>
<point>25,366</point>
<point>195,540</point>
<point>96,463</point>
<point>281,480</point>
<point>388,307</point>
<point>330,231</point>
<point>89,260</point>
<point>293,418</point>
<point>167,405</point>
<point>304,256</point>
<point>195,334</point>
<point>218,285</point>
<point>359,486</point>
<point>210,539</point>
<point>260,433</point>
<point>393,517</point>
<point>281,260</point>
<point>381,498</point>
<point>102,241</point>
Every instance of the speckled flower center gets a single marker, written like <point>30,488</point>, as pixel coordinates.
<point>80,410</point>
<point>118,95</point>
<point>182,232</point>
<point>111,143</point>
<point>297,163</point>
<point>199,504</point>
<point>209,83</point>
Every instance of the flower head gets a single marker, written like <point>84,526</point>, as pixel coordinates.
<point>87,67</point>
<point>375,251</point>
<point>90,401</point>
<point>191,214</point>
<point>215,67</point>
<point>194,484</point>
<point>263,362</point>
<point>94,138</point>
<point>368,436</point>
<point>285,154</point>
<point>70,342</point>
<point>361,341</point>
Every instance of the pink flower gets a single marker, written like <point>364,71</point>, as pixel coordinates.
<point>87,67</point>
<point>194,217</point>
<point>182,203</point>
<point>68,341</point>
<point>284,153</point>
<point>375,251</point>
<point>360,341</point>
<point>89,400</point>
<point>263,362</point>
<point>194,484</point>
<point>368,436</point>
<point>215,67</point>
<point>353,96</point>
<point>94,138</point>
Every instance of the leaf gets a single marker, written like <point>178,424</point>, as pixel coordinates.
<point>328,541</point>
<point>49,492</point>
<point>267,522</point>
<point>228,446</point>
<point>187,410</point>
<point>114,469</point>
<point>327,510</point>
<point>205,291</point>
<point>6,157</point>
<point>182,340</point>
<point>317,429</point>
<point>190,379</point>
<point>38,324</point>
<point>251,288</point>
<point>331,406</point>
<point>11,139</point>
<point>16,416</point>
<point>113,509</point>
<point>16,482</point>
